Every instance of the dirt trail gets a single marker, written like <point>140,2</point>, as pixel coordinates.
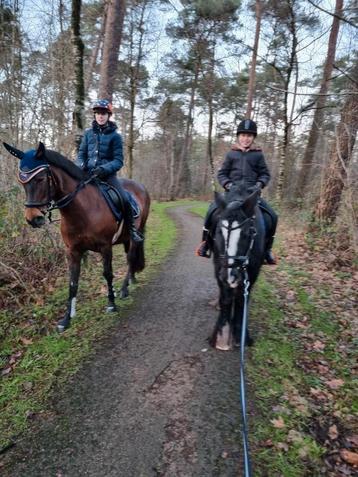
<point>155,400</point>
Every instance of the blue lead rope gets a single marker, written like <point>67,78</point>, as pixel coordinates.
<point>247,464</point>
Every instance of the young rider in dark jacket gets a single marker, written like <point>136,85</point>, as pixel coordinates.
<point>101,154</point>
<point>245,162</point>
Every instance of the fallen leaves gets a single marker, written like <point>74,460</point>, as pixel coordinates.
<point>335,383</point>
<point>12,363</point>
<point>333,432</point>
<point>350,457</point>
<point>278,423</point>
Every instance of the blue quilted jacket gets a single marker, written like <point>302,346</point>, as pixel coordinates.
<point>101,146</point>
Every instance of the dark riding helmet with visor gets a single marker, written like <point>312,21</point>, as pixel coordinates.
<point>247,126</point>
<point>102,105</point>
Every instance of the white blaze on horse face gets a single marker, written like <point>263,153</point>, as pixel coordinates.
<point>231,245</point>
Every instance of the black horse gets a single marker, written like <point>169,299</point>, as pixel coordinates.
<point>239,250</point>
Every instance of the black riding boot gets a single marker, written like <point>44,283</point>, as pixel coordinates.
<point>135,235</point>
<point>269,256</point>
<point>204,248</point>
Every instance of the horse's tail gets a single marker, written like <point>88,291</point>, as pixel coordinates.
<point>136,257</point>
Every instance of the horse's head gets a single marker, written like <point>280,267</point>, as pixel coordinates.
<point>35,175</point>
<point>235,233</point>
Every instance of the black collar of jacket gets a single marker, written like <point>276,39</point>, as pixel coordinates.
<point>108,128</point>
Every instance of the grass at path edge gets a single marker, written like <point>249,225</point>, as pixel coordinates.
<point>39,359</point>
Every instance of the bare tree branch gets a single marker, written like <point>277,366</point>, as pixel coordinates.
<point>346,74</point>
<point>333,14</point>
<point>348,93</point>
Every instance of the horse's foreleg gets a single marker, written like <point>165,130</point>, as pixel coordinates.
<point>74,261</point>
<point>222,336</point>
<point>108,275</point>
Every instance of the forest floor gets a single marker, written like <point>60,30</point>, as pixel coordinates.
<point>155,400</point>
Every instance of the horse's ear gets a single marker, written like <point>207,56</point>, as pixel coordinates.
<point>40,153</point>
<point>219,200</point>
<point>12,150</point>
<point>250,203</point>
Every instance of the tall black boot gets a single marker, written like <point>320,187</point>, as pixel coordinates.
<point>135,235</point>
<point>269,256</point>
<point>204,248</point>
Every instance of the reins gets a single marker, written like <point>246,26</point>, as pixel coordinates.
<point>241,262</point>
<point>247,463</point>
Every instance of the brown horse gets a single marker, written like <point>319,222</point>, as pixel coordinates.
<point>51,181</point>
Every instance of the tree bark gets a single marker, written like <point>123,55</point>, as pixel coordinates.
<point>79,76</point>
<point>95,51</point>
<point>282,168</point>
<point>134,74</point>
<point>111,46</point>
<point>252,78</point>
<point>336,174</point>
<point>320,104</point>
<point>184,175</point>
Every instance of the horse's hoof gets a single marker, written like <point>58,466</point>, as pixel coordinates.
<point>224,339</point>
<point>61,328</point>
<point>111,308</point>
<point>123,294</point>
<point>63,324</point>
<point>223,347</point>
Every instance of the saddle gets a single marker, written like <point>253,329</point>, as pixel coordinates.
<point>114,200</point>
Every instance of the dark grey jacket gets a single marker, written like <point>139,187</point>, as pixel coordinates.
<point>101,147</point>
<point>248,166</point>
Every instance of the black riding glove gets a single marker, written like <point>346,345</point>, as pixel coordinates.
<point>228,186</point>
<point>99,172</point>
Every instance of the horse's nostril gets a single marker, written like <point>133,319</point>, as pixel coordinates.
<point>36,222</point>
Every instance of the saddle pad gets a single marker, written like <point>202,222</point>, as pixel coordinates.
<point>114,201</point>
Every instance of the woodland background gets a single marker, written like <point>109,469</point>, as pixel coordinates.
<point>181,75</point>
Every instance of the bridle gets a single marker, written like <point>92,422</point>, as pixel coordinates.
<point>239,261</point>
<point>25,177</point>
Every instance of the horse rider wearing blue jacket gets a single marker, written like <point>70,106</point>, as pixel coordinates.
<point>244,163</point>
<point>101,154</point>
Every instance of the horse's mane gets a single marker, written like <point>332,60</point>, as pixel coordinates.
<point>58,160</point>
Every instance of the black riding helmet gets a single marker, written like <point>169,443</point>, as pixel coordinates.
<point>247,126</point>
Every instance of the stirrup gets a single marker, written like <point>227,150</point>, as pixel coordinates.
<point>203,250</point>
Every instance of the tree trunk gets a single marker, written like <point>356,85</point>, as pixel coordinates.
<point>134,72</point>
<point>184,174</point>
<point>320,104</point>
<point>210,158</point>
<point>336,172</point>
<point>111,46</point>
<point>282,168</point>
<point>79,77</point>
<point>95,52</point>
<point>172,168</point>
<point>251,86</point>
